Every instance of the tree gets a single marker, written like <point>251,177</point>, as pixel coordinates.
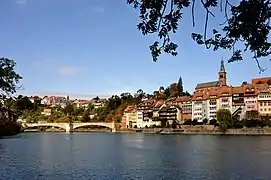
<point>9,78</point>
<point>69,109</point>
<point>161,89</point>
<point>205,121</point>
<point>212,122</point>
<point>78,111</point>
<point>224,119</point>
<point>246,22</point>
<point>252,115</point>
<point>96,98</point>
<point>167,92</point>
<point>23,103</point>
<point>180,86</point>
<point>174,90</point>
<point>85,117</point>
<point>244,83</point>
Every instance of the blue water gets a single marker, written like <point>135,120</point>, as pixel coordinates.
<point>118,156</point>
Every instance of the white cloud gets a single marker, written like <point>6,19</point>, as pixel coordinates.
<point>98,9</point>
<point>70,70</point>
<point>22,2</point>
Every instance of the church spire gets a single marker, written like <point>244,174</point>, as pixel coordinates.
<point>222,67</point>
<point>222,75</point>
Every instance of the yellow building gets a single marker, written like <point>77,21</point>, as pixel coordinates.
<point>130,116</point>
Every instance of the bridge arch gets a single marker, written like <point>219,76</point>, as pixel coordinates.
<point>57,125</point>
<point>99,124</point>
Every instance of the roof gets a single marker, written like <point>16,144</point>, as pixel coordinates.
<point>237,90</point>
<point>222,67</point>
<point>164,109</point>
<point>171,108</point>
<point>183,99</point>
<point>208,84</point>
<point>261,80</point>
<point>158,104</point>
<point>128,108</point>
<point>224,91</point>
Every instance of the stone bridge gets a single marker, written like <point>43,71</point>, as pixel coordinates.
<point>70,126</point>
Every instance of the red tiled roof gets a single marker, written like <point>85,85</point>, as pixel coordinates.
<point>183,99</point>
<point>128,108</point>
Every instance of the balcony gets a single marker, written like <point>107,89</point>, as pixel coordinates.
<point>264,97</point>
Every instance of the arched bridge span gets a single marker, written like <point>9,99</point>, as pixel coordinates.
<point>70,126</point>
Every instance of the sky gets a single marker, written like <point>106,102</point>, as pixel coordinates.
<point>92,47</point>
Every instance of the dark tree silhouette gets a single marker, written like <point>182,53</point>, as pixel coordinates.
<point>8,77</point>
<point>247,22</point>
<point>180,85</point>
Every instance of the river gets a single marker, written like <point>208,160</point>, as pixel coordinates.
<point>80,156</point>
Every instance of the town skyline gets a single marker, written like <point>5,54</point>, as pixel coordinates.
<point>89,96</point>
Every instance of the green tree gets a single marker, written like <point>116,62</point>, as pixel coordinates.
<point>24,103</point>
<point>246,22</point>
<point>9,78</point>
<point>252,115</point>
<point>78,111</point>
<point>205,121</point>
<point>69,109</point>
<point>85,117</point>
<point>10,107</point>
<point>224,119</point>
<point>212,122</point>
<point>174,90</point>
<point>180,86</point>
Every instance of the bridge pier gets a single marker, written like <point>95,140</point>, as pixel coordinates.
<point>69,127</point>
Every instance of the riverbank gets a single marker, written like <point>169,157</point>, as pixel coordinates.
<point>9,128</point>
<point>214,131</point>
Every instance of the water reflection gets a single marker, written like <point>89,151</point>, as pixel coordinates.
<point>134,156</point>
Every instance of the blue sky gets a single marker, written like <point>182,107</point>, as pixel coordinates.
<point>92,47</point>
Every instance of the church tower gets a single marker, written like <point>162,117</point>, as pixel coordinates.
<point>222,74</point>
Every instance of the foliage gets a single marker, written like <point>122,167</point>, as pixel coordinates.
<point>112,111</point>
<point>9,78</point>
<point>174,124</point>
<point>85,117</point>
<point>212,122</point>
<point>188,122</point>
<point>224,119</point>
<point>69,109</point>
<point>251,123</point>
<point>180,85</point>
<point>252,115</point>
<point>205,121</point>
<point>8,128</point>
<point>246,22</point>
